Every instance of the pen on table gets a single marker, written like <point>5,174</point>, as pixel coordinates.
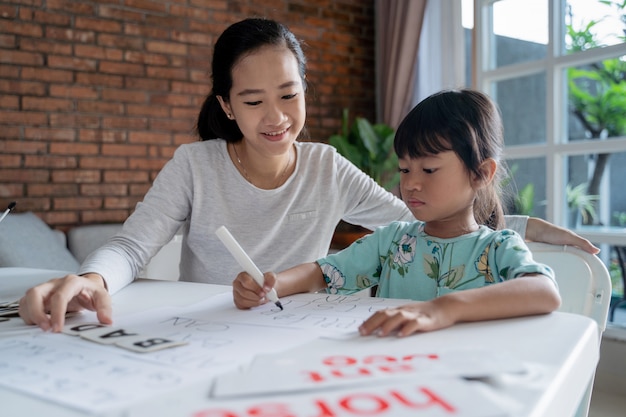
<point>245,262</point>
<point>9,208</point>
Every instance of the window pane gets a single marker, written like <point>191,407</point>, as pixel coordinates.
<point>595,190</point>
<point>592,23</point>
<point>525,192</point>
<point>519,31</point>
<point>597,99</point>
<point>522,102</point>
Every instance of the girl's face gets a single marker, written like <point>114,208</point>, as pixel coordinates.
<point>438,188</point>
<point>267,99</point>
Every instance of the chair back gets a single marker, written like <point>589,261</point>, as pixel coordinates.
<point>584,282</point>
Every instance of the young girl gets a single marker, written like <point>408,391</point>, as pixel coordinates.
<point>449,149</point>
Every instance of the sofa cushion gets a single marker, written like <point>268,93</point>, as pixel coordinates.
<point>82,240</point>
<point>26,241</point>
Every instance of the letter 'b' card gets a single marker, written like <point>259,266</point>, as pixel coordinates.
<point>148,344</point>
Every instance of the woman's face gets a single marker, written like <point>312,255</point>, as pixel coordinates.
<point>267,99</point>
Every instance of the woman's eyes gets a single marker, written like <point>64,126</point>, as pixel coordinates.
<point>257,102</point>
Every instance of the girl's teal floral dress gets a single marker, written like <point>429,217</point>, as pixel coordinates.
<point>407,263</point>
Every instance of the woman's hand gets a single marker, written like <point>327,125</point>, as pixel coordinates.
<point>46,304</point>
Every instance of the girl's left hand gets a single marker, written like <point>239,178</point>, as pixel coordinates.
<point>407,320</point>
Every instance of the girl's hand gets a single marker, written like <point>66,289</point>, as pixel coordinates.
<point>407,320</point>
<point>248,294</point>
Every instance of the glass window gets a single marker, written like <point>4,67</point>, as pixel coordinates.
<point>561,86</point>
<point>592,24</point>
<point>524,123</point>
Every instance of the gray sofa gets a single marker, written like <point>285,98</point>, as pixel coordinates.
<point>27,241</point>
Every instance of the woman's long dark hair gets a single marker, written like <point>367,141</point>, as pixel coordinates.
<point>467,122</point>
<point>237,41</point>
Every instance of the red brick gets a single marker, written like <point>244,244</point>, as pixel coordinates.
<point>46,74</point>
<point>74,149</point>
<point>41,190</point>
<point>150,138</point>
<point>78,64</point>
<point>128,123</point>
<point>98,52</point>
<point>121,68</point>
<point>77,203</point>
<point>48,161</point>
<point>22,147</point>
<point>125,176</point>
<point>46,46</point>
<point>102,162</point>
<point>22,118</point>
<point>20,58</point>
<point>124,150</point>
<point>103,216</point>
<point>24,175</point>
<point>72,91</point>
<point>98,25</point>
<point>52,134</point>
<point>104,80</point>
<point>104,189</point>
<point>76,176</point>
<point>10,161</point>
<point>125,96</point>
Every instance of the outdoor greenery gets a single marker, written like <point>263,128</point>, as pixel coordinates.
<point>597,92</point>
<point>581,204</point>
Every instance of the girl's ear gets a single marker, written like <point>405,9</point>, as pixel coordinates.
<point>488,170</point>
<point>225,106</point>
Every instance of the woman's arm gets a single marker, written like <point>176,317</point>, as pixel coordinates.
<point>539,230</point>
<point>527,295</point>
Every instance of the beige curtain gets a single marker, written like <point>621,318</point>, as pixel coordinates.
<point>398,26</point>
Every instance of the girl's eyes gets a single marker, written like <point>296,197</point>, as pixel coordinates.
<point>426,170</point>
<point>256,103</point>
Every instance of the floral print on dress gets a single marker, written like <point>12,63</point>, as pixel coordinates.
<point>434,264</point>
<point>335,280</point>
<point>401,258</point>
<point>482,266</point>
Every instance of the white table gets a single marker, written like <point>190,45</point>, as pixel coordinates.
<point>560,350</point>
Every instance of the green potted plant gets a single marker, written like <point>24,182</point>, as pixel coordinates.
<point>369,146</point>
<point>581,204</point>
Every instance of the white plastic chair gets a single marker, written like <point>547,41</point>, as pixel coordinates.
<point>584,285</point>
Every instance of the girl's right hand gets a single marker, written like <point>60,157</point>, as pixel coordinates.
<point>45,305</point>
<point>247,293</point>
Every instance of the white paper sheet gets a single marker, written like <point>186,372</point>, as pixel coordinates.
<point>95,378</point>
<point>436,398</point>
<point>365,362</point>
<point>324,314</point>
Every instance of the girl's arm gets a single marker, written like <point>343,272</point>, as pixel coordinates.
<point>526,295</point>
<point>299,279</point>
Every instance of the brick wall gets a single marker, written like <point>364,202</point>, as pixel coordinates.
<point>95,96</point>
